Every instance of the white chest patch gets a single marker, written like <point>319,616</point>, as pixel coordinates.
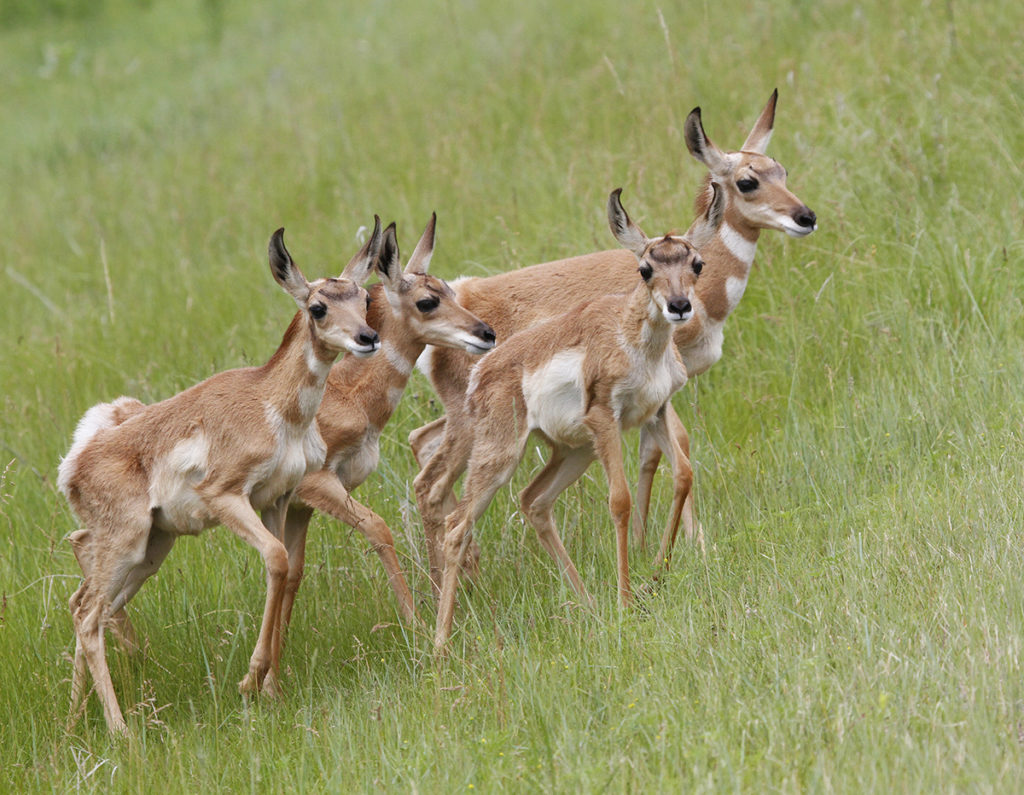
<point>554,398</point>
<point>355,464</point>
<point>649,385</point>
<point>297,450</point>
<point>704,351</point>
<point>734,289</point>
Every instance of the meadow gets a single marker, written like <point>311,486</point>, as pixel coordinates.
<point>857,621</point>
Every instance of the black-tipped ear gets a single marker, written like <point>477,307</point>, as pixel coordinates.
<point>420,259</point>
<point>359,267</point>
<point>626,232</point>
<point>761,133</point>
<point>701,147</point>
<point>285,271</point>
<point>389,263</point>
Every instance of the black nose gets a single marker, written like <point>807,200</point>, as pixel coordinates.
<point>486,333</point>
<point>679,307</point>
<point>805,217</point>
<point>368,337</point>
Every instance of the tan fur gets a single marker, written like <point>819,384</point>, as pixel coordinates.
<point>359,399</point>
<point>515,300</point>
<point>140,476</point>
<point>579,380</point>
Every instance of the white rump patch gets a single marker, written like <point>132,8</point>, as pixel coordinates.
<point>98,418</point>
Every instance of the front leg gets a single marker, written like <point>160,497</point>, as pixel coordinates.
<point>236,513</point>
<point>668,431</point>
<point>325,492</point>
<point>604,428</point>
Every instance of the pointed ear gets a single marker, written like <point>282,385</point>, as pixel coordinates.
<point>701,147</point>
<point>389,262</point>
<point>761,134</point>
<point>420,259</point>
<point>626,232</point>
<point>285,271</point>
<point>705,226</point>
<point>359,267</point>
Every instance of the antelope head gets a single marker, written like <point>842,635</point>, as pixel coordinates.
<point>668,265</point>
<point>427,304</point>
<point>335,309</point>
<point>752,183</point>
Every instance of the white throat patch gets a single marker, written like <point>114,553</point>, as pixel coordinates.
<point>741,248</point>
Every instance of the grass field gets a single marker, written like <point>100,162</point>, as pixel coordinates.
<point>857,623</point>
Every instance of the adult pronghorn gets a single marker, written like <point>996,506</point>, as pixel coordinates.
<point>409,310</point>
<point>745,193</point>
<point>139,476</point>
<point>579,380</point>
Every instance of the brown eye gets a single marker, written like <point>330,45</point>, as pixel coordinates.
<point>367,301</point>
<point>746,185</point>
<point>428,304</point>
<point>698,266</point>
<point>646,272</point>
<point>318,311</point>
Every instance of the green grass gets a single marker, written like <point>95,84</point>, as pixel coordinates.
<point>857,622</point>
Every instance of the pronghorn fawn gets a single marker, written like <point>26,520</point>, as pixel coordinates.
<point>744,193</point>
<point>579,379</point>
<point>409,309</point>
<point>139,476</point>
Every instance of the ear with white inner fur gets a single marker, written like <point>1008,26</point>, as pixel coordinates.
<point>626,232</point>
<point>389,263</point>
<point>701,147</point>
<point>761,133</point>
<point>706,226</point>
<point>285,271</point>
<point>420,259</point>
<point>360,266</point>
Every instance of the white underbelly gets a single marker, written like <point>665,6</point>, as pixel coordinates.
<point>555,400</point>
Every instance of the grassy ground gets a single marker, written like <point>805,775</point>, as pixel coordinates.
<point>857,622</point>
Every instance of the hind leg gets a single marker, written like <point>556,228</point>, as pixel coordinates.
<point>111,578</point>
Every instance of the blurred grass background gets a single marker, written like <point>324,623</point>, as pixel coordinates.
<point>857,621</point>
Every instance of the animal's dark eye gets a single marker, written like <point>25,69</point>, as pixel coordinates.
<point>746,184</point>
<point>698,266</point>
<point>318,311</point>
<point>426,304</point>
<point>368,301</point>
<point>646,272</point>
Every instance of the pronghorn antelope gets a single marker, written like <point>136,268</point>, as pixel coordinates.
<point>745,192</point>
<point>409,310</point>
<point>139,476</point>
<point>579,380</point>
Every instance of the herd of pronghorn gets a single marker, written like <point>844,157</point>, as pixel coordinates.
<point>259,449</point>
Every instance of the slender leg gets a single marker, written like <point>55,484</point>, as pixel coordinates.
<point>324,491</point>
<point>608,446</point>
<point>107,577</point>
<point>650,457</point>
<point>562,470</point>
<point>497,448</point>
<point>669,439</point>
<point>236,513</point>
<point>434,488</point>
